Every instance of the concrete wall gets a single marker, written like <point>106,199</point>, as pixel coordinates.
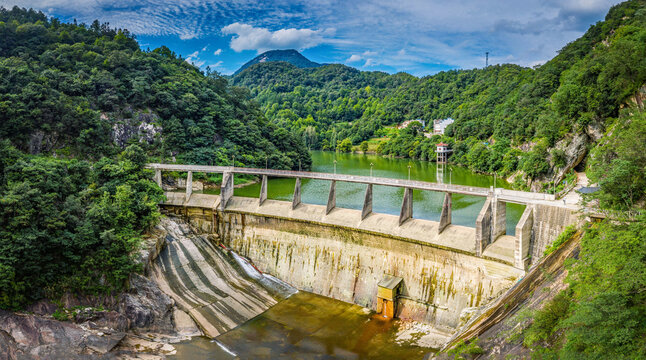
<point>523,237</point>
<point>549,222</point>
<point>347,265</point>
<point>483,227</point>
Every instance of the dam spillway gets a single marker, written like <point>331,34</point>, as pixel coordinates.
<point>211,284</point>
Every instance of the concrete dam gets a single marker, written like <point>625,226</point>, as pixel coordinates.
<point>440,272</point>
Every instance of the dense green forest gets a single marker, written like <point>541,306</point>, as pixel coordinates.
<point>497,109</point>
<point>68,89</point>
<point>70,225</point>
<point>73,202</point>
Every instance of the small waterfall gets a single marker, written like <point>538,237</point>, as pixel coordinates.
<point>217,287</point>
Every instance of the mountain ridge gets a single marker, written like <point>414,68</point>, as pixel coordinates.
<point>289,56</point>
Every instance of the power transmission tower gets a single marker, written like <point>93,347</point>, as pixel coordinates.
<point>487,59</point>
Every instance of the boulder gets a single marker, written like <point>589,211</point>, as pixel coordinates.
<point>111,320</point>
<point>184,324</point>
<point>7,346</point>
<point>42,307</point>
<point>147,307</point>
<point>36,337</point>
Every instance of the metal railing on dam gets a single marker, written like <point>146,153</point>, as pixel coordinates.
<point>489,226</point>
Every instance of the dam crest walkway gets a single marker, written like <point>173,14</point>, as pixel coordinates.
<point>542,220</point>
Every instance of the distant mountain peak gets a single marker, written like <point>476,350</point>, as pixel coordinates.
<point>291,56</point>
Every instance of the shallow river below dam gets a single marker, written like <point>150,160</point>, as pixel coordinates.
<point>426,204</point>
<point>309,326</point>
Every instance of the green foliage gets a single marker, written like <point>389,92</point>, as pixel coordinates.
<point>618,165</point>
<point>65,86</point>
<point>464,351</point>
<point>567,233</point>
<point>344,146</point>
<point>61,315</point>
<point>603,315</point>
<point>66,225</point>
<point>363,146</point>
<point>546,320</point>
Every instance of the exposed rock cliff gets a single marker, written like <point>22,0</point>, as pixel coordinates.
<point>144,127</point>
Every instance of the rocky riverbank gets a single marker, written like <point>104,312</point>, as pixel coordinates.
<point>140,323</point>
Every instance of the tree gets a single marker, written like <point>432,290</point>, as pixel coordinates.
<point>364,146</point>
<point>344,146</point>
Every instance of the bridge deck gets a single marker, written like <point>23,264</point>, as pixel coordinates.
<point>503,194</point>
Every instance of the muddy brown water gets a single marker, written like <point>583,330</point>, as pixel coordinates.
<point>307,326</point>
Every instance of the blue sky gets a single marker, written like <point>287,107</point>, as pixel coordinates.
<point>416,36</point>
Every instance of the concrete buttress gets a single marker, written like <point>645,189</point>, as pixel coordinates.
<point>331,199</point>
<point>297,194</point>
<point>445,217</point>
<point>189,185</point>
<point>263,190</point>
<point>407,206</point>
<point>226,189</point>
<point>367,203</point>
<point>483,228</point>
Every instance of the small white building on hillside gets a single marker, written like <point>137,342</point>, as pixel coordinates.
<point>439,125</point>
<point>408,122</point>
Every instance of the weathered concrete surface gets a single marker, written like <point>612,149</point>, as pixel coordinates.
<point>445,216</point>
<point>297,193</point>
<point>523,237</point>
<point>340,256</point>
<point>549,222</point>
<point>189,185</point>
<point>499,223</point>
<point>456,238</point>
<point>263,190</point>
<point>347,265</point>
<point>483,228</point>
<point>502,249</point>
<point>331,199</point>
<point>367,202</point>
<point>226,191</point>
<point>407,206</point>
<point>205,282</point>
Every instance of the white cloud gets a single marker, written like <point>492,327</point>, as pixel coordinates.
<point>452,33</point>
<point>370,62</point>
<point>247,37</point>
<point>194,59</point>
<point>217,52</point>
<point>354,58</point>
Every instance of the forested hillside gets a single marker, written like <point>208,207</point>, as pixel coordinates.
<point>82,110</point>
<point>77,90</point>
<point>508,118</point>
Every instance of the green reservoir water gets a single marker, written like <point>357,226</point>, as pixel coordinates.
<point>426,205</point>
<point>307,326</point>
